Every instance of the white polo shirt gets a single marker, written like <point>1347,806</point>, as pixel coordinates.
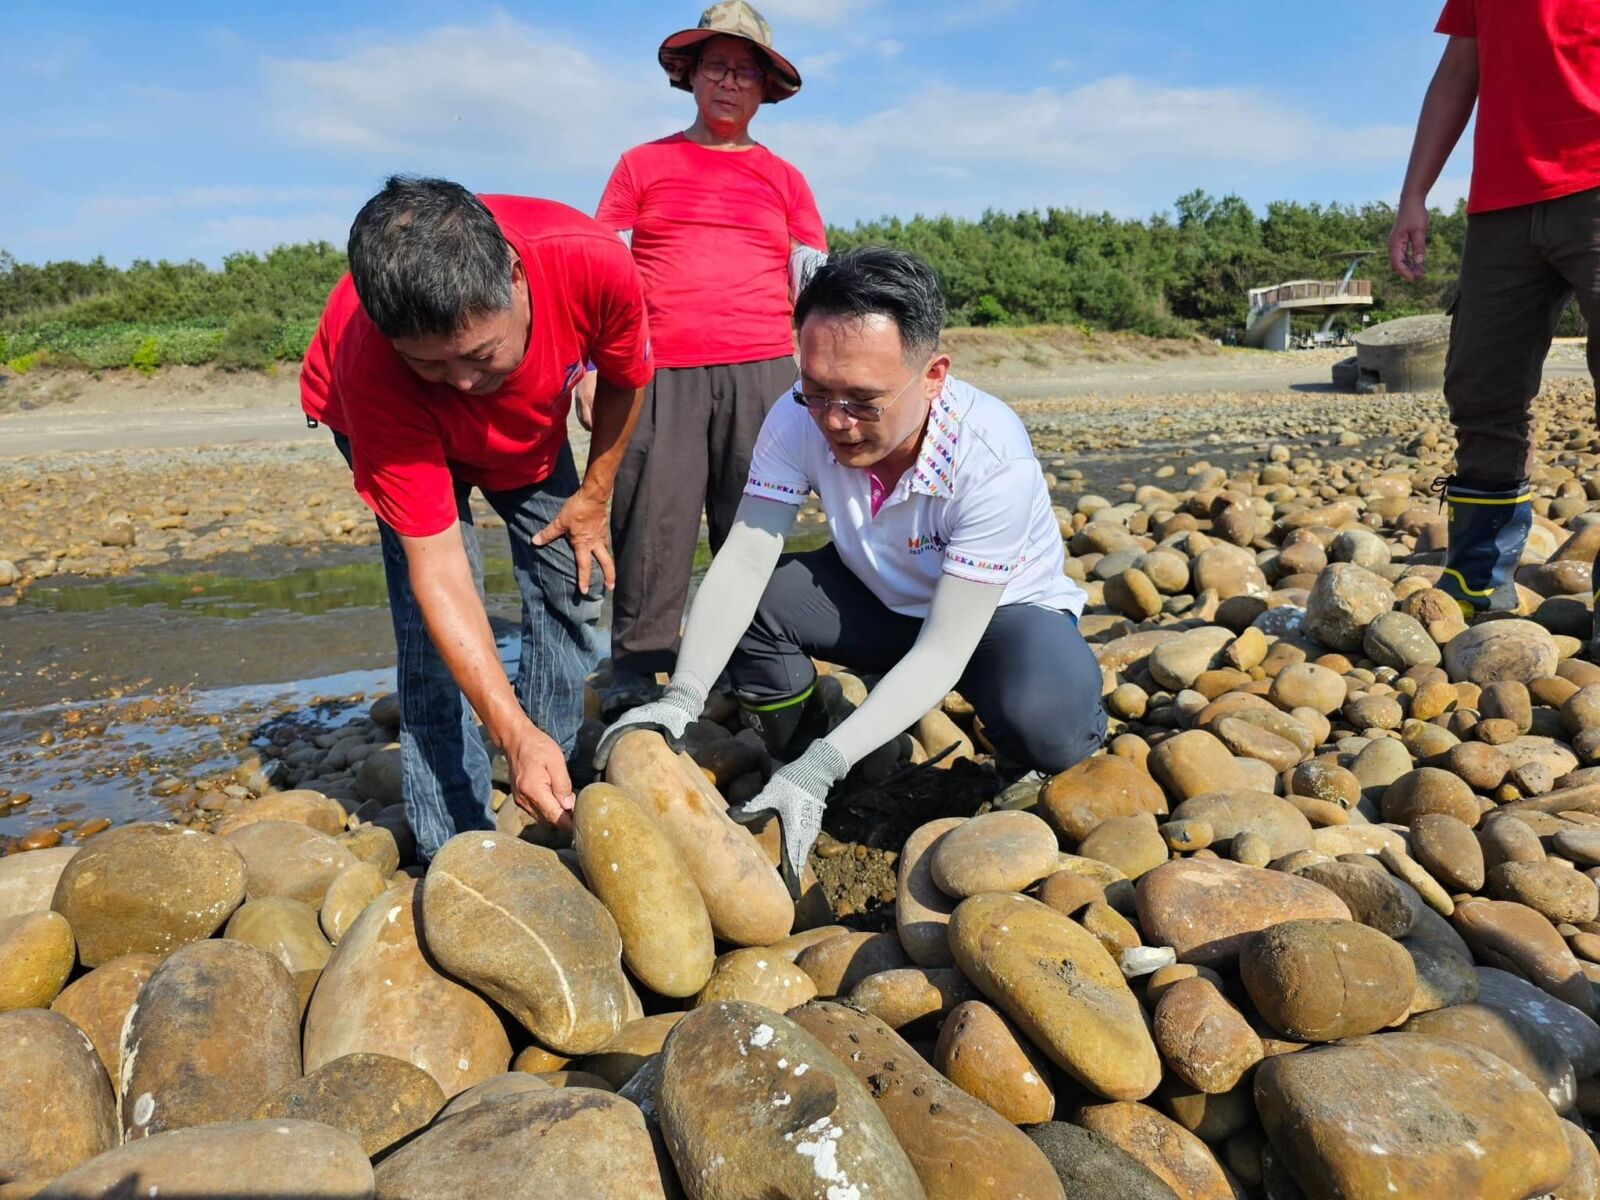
<point>974,504</point>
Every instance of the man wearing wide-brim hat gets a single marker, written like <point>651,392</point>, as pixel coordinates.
<point>722,230</point>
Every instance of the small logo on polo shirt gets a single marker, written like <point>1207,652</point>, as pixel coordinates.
<point>924,544</point>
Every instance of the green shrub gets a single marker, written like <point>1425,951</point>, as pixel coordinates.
<point>989,311</point>
<point>249,344</point>
<point>24,363</point>
<point>147,356</point>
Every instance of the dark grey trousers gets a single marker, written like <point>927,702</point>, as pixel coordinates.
<point>689,453</point>
<point>1519,268</point>
<point>1033,679</point>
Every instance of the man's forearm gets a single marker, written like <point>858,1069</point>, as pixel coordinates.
<point>955,624</point>
<point>441,581</point>
<point>616,412</point>
<point>1445,112</point>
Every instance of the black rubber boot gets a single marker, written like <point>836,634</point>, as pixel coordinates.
<point>786,725</point>
<point>1489,525</point>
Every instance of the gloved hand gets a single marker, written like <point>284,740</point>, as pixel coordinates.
<point>668,716</point>
<point>798,793</point>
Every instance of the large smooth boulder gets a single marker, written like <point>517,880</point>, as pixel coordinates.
<point>56,1105</point>
<point>36,957</point>
<point>286,858</point>
<point>1207,909</point>
<point>1415,1117</point>
<point>1093,1167</point>
<point>1229,814</point>
<point>1104,786</point>
<point>959,1147</point>
<point>215,1030</point>
<point>982,1053</point>
<point>98,1003</point>
<point>757,976</point>
<point>1496,651</point>
<point>352,889</point>
<point>547,1142</point>
<point>285,928</point>
<point>510,920</point>
<point>380,994</point>
<point>375,1099</point>
<point>28,881</point>
<point>1205,1040</point>
<point>1576,1032</point>
<point>302,806</point>
<point>148,888</point>
<point>1516,1039</point>
<point>637,873</point>
<point>1344,601</point>
<point>746,899</point>
<point>1167,1149</point>
<point>1000,851</point>
<point>921,910</point>
<point>265,1160</point>
<point>752,1105</point>
<point>1287,968</point>
<point>1061,987</point>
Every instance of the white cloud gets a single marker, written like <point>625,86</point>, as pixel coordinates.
<point>1106,144</point>
<point>889,48</point>
<point>503,94</point>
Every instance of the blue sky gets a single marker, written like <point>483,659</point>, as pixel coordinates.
<point>181,130</point>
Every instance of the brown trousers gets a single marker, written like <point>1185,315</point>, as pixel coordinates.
<point>1520,267</point>
<point>690,452</point>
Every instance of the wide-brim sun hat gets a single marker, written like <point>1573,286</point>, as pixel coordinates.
<point>729,18</point>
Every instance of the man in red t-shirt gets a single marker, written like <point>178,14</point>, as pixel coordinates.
<point>1533,243</point>
<point>445,361</point>
<point>722,229</point>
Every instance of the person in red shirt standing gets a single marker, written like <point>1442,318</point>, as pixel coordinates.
<point>1533,242</point>
<point>722,230</point>
<point>445,361</point>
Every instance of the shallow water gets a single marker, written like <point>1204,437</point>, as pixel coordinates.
<point>108,688</point>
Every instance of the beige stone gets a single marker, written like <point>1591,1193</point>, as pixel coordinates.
<point>640,877</point>
<point>1061,987</point>
<point>380,994</point>
<point>747,901</point>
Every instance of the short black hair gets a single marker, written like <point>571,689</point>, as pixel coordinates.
<point>426,257</point>
<point>878,281</point>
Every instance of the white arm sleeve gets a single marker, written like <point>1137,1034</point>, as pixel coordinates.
<point>803,260</point>
<point>727,599</point>
<point>955,623</point>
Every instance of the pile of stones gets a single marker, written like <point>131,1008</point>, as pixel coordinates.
<point>1322,921</point>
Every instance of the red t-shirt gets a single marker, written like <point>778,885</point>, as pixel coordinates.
<point>1538,134</point>
<point>410,439</point>
<point>711,232</point>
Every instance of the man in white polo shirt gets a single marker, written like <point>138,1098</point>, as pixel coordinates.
<point>945,568</point>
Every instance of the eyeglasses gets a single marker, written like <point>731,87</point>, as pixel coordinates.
<point>856,410</point>
<point>716,70</point>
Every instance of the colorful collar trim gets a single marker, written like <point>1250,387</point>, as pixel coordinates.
<point>934,472</point>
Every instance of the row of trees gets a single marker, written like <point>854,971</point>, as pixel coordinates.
<point>1174,274</point>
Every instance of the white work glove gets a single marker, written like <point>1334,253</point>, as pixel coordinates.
<point>798,793</point>
<point>668,716</point>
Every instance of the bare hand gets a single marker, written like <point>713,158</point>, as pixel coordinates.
<point>582,521</point>
<point>1408,240</point>
<point>583,400</point>
<point>539,781</point>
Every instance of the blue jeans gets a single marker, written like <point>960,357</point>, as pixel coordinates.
<point>444,762</point>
